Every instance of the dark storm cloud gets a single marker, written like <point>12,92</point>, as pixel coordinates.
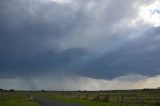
<point>39,37</point>
<point>28,37</point>
<point>138,56</point>
<point>39,64</point>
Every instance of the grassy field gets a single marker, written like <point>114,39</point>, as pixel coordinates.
<point>15,99</point>
<point>93,103</point>
<point>107,98</point>
<point>87,98</point>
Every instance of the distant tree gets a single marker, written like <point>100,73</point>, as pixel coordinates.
<point>1,89</point>
<point>11,90</point>
<point>42,90</point>
<point>145,89</point>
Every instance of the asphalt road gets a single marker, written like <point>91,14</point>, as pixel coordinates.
<point>45,102</point>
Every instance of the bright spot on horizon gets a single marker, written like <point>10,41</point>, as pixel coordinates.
<point>62,1</point>
<point>150,14</point>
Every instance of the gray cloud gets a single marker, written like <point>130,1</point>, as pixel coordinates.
<point>89,38</point>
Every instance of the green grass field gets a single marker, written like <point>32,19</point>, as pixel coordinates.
<point>86,98</point>
<point>15,99</point>
<point>86,102</point>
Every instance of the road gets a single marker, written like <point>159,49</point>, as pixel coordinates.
<point>45,102</point>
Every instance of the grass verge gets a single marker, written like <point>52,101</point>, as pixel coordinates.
<point>16,99</point>
<point>89,102</point>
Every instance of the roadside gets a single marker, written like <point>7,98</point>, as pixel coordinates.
<point>16,99</point>
<point>84,102</point>
<point>47,102</point>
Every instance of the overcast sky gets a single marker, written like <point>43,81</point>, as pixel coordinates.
<point>79,44</point>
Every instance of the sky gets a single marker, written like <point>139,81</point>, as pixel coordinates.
<point>79,44</point>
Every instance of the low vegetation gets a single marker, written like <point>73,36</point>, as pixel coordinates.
<point>93,103</point>
<point>145,97</point>
<point>15,99</point>
<point>107,98</point>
